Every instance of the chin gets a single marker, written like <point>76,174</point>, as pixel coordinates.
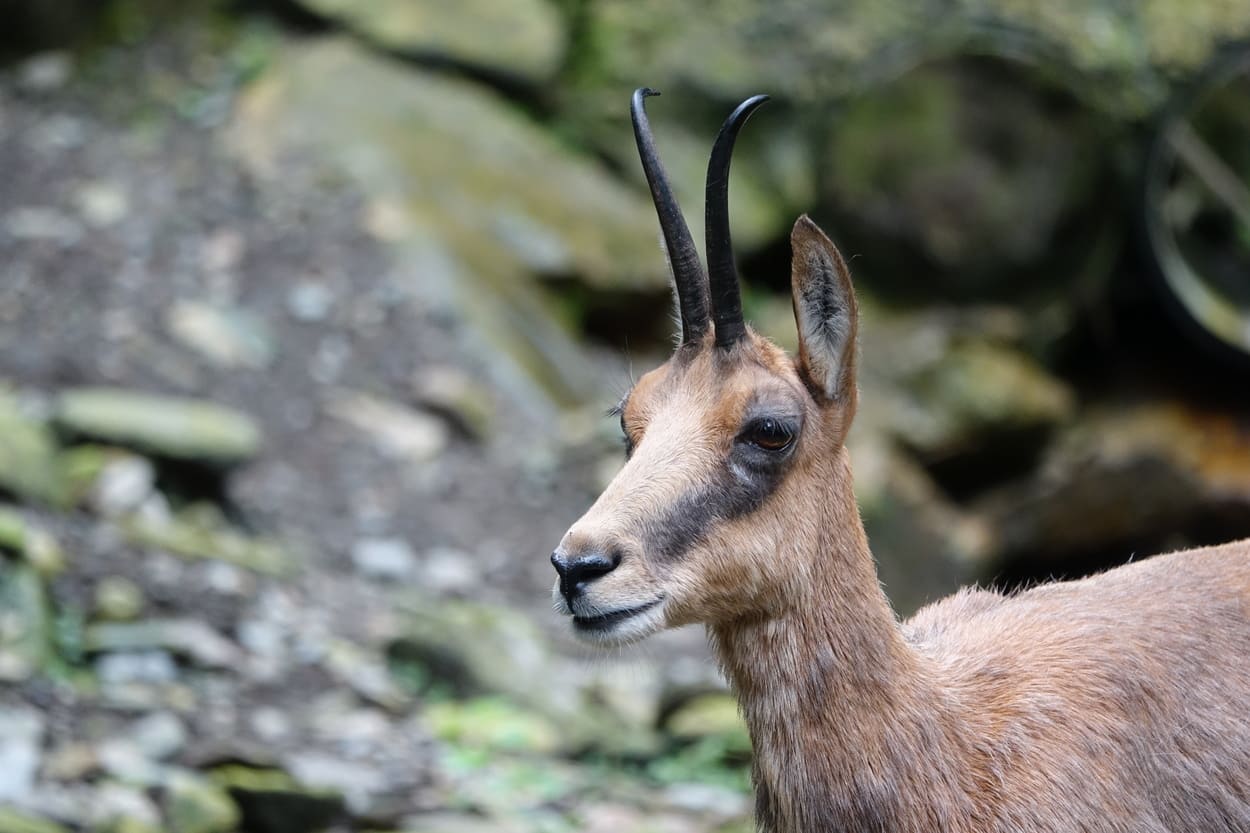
<point>619,626</point>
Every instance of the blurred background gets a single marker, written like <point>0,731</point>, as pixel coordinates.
<point>310,311</point>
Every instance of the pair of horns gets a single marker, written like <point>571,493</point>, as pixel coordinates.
<point>720,287</point>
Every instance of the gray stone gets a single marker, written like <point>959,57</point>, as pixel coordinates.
<point>45,72</point>
<point>225,337</point>
<point>523,38</point>
<point>123,667</point>
<point>309,302</point>
<point>445,570</point>
<point>188,638</point>
<point>21,740</point>
<point>184,429</point>
<point>124,759</point>
<point>39,223</point>
<point>396,430</point>
<point>102,204</point>
<point>159,736</point>
<point>358,783</point>
<point>386,559</point>
<point>122,485</point>
<point>117,808</point>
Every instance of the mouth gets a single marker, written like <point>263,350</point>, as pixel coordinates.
<point>608,621</point>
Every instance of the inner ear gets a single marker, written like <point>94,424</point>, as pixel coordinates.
<point>825,312</point>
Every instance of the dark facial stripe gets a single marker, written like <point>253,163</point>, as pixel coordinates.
<point>740,487</point>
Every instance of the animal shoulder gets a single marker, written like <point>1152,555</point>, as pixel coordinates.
<point>1179,589</point>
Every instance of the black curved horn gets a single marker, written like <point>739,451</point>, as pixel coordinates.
<point>722,274</point>
<point>682,254</point>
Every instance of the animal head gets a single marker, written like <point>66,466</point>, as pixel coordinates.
<point>732,445</point>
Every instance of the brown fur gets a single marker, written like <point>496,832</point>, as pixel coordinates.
<point>1116,703</point>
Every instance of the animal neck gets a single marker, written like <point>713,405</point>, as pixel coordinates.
<point>849,728</point>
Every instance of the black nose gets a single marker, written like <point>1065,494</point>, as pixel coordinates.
<point>575,574</point>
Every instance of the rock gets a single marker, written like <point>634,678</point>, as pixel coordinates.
<point>12,821</point>
<point>121,809</point>
<point>708,801</point>
<point>118,599</point>
<point>28,455</point>
<point>365,672</point>
<point>42,224</point>
<point>12,531</point>
<point>961,394</point>
<point>44,552</point>
<point>460,400</point>
<point>445,571</point>
<point>122,484</point>
<point>493,724</point>
<point>123,759</point>
<point>387,559</point>
<point>730,51</point>
<point>181,429</point>
<point>398,431</point>
<point>30,543</point>
<point>25,622</point>
<point>1184,467</point>
<point>187,638</point>
<point>159,736</point>
<point>710,715</point>
<point>200,531</point>
<point>45,72</point>
<point>525,39</point>
<point>473,196</point>
<point>102,204</point>
<point>309,302</point>
<point>926,547</point>
<point>123,667</point>
<point>357,783</point>
<point>227,338</point>
<point>195,805</point>
<point>21,740</point>
<point>271,801</point>
<point>71,761</point>
<point>507,651</point>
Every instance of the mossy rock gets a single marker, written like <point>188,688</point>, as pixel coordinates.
<point>271,801</point>
<point>492,723</point>
<point>196,805</point>
<point>710,715</point>
<point>170,427</point>
<point>25,622</point>
<point>476,198</point>
<point>522,39</point>
<point>200,531</point>
<point>28,455</point>
<point>12,821</point>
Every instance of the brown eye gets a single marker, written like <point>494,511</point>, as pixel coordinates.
<point>769,434</point>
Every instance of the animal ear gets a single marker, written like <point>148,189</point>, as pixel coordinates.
<point>825,311</point>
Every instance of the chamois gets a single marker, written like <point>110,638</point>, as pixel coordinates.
<point>1119,702</point>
